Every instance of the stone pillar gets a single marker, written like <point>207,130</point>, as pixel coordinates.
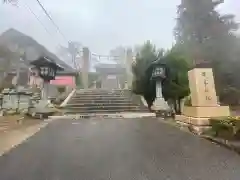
<point>204,101</point>
<point>45,90</point>
<point>129,67</point>
<point>85,67</point>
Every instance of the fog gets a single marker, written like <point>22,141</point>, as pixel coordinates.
<point>100,25</point>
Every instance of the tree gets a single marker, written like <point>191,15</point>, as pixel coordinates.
<point>202,30</point>
<point>7,58</point>
<point>176,87</point>
<point>141,82</point>
<point>204,34</point>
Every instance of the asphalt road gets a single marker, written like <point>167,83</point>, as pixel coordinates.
<point>127,149</point>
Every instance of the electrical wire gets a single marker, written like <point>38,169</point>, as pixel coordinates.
<point>31,11</point>
<point>50,18</point>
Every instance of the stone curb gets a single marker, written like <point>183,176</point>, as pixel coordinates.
<point>225,143</point>
<point>64,103</point>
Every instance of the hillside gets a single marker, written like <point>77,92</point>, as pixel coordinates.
<point>14,39</point>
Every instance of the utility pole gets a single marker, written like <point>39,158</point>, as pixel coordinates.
<point>74,50</point>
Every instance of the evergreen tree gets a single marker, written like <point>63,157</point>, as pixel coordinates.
<point>203,31</point>
<point>141,82</point>
<point>204,34</point>
<point>176,87</point>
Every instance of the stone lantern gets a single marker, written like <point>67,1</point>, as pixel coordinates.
<point>158,70</point>
<point>47,69</point>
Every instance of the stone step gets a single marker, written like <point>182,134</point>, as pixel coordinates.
<point>98,98</point>
<point>102,90</point>
<point>102,101</point>
<point>85,101</point>
<point>101,111</point>
<point>100,104</point>
<point>107,92</point>
<point>103,107</point>
<point>93,95</point>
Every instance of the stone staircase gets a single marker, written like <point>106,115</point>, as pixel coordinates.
<point>97,101</point>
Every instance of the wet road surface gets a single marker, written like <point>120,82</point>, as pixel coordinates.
<point>117,149</point>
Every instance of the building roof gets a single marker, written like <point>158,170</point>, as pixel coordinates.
<point>43,61</point>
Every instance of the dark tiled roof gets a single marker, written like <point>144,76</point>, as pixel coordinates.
<point>46,60</point>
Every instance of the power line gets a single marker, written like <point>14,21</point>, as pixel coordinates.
<point>50,18</point>
<point>34,14</point>
<point>59,30</point>
<point>28,7</point>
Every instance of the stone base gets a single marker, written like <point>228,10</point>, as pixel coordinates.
<point>206,112</point>
<point>194,125</point>
<point>192,120</point>
<point>197,118</point>
<point>160,104</point>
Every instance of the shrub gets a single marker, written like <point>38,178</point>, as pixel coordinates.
<point>61,89</point>
<point>226,127</point>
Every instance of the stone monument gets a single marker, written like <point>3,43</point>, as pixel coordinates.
<point>204,102</point>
